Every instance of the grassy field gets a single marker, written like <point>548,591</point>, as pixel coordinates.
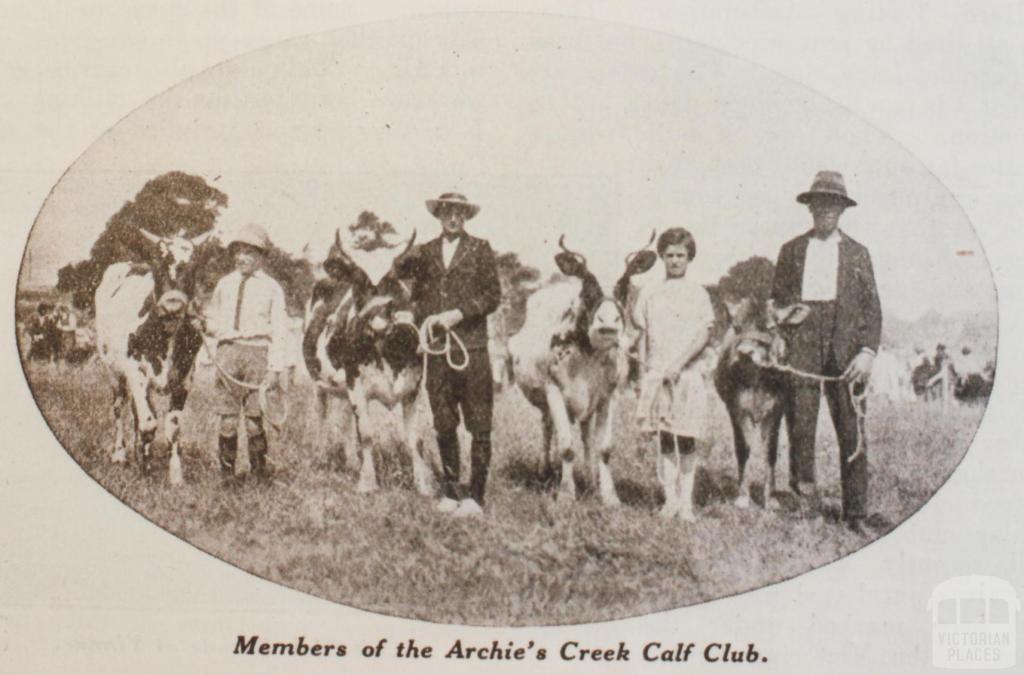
<point>531,561</point>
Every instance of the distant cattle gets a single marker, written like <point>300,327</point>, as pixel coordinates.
<point>974,376</point>
<point>145,335</point>
<point>891,378</point>
<point>569,358</point>
<point>360,345</point>
<point>753,389</point>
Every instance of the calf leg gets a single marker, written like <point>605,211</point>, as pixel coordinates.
<point>548,431</point>
<point>754,442</point>
<point>603,427</point>
<point>563,439</point>
<point>120,453</point>
<point>367,471</point>
<point>771,443</point>
<point>414,444</point>
<point>742,455</point>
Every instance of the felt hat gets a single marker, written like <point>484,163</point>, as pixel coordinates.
<point>827,184</point>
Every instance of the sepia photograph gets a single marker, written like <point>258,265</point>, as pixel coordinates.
<point>509,320</point>
<point>532,325</point>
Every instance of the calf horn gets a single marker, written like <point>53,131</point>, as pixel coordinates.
<point>574,254</point>
<point>633,254</point>
<point>150,236</point>
<point>200,238</point>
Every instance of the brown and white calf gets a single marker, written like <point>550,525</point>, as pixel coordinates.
<point>570,357</point>
<point>359,346</point>
<point>149,341</point>
<point>753,388</point>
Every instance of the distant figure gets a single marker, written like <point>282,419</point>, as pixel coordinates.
<point>43,334</point>
<point>940,384</point>
<point>67,324</point>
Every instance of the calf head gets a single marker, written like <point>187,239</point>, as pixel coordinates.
<point>600,321</point>
<point>376,306</point>
<point>175,251</point>
<point>755,333</point>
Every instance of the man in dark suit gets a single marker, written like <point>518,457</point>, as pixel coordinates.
<point>456,288</point>
<point>832,274</point>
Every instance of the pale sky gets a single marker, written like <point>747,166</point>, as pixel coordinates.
<point>551,126</point>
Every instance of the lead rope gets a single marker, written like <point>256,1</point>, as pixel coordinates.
<point>451,339</point>
<point>261,390</point>
<point>859,400</point>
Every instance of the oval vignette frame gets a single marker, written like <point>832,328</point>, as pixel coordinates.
<point>533,92</point>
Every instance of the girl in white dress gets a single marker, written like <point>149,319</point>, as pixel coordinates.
<point>676,318</point>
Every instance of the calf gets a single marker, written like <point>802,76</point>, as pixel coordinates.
<point>149,341</point>
<point>570,357</point>
<point>752,388</point>
<point>360,345</point>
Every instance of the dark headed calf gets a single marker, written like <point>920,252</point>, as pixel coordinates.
<point>752,389</point>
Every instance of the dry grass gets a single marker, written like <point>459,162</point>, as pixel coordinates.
<point>531,561</point>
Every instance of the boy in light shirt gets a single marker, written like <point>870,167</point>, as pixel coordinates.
<point>247,317</point>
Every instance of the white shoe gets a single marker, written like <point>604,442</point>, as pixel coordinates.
<point>468,507</point>
<point>447,505</point>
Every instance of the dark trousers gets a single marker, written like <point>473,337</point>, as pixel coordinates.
<point>811,351</point>
<point>471,393</point>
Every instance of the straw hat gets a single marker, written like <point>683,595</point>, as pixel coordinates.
<point>449,199</point>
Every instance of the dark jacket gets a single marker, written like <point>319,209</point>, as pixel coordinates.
<point>469,284</point>
<point>858,319</point>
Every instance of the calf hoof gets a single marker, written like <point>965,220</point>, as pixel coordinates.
<point>772,504</point>
<point>119,456</point>
<point>174,473</point>
<point>743,501</point>
<point>365,487</point>
<point>687,516</point>
<point>565,496</point>
<point>610,498</point>
<point>668,511</point>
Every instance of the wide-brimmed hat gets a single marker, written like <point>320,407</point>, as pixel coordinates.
<point>449,199</point>
<point>827,183</point>
<point>251,235</point>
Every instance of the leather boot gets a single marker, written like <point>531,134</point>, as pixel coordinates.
<point>226,453</point>
<point>258,455</point>
<point>448,448</point>
<point>480,463</point>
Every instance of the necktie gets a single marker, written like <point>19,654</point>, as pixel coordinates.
<point>241,294</point>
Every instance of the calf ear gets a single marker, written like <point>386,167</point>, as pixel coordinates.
<point>791,315</point>
<point>734,309</point>
<point>641,262</point>
<point>570,264</point>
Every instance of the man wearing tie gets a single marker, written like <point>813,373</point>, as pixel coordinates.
<point>247,317</point>
<point>456,288</point>
<point>832,274</point>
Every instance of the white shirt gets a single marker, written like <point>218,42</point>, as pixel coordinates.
<point>260,318</point>
<point>821,268</point>
<point>448,249</point>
